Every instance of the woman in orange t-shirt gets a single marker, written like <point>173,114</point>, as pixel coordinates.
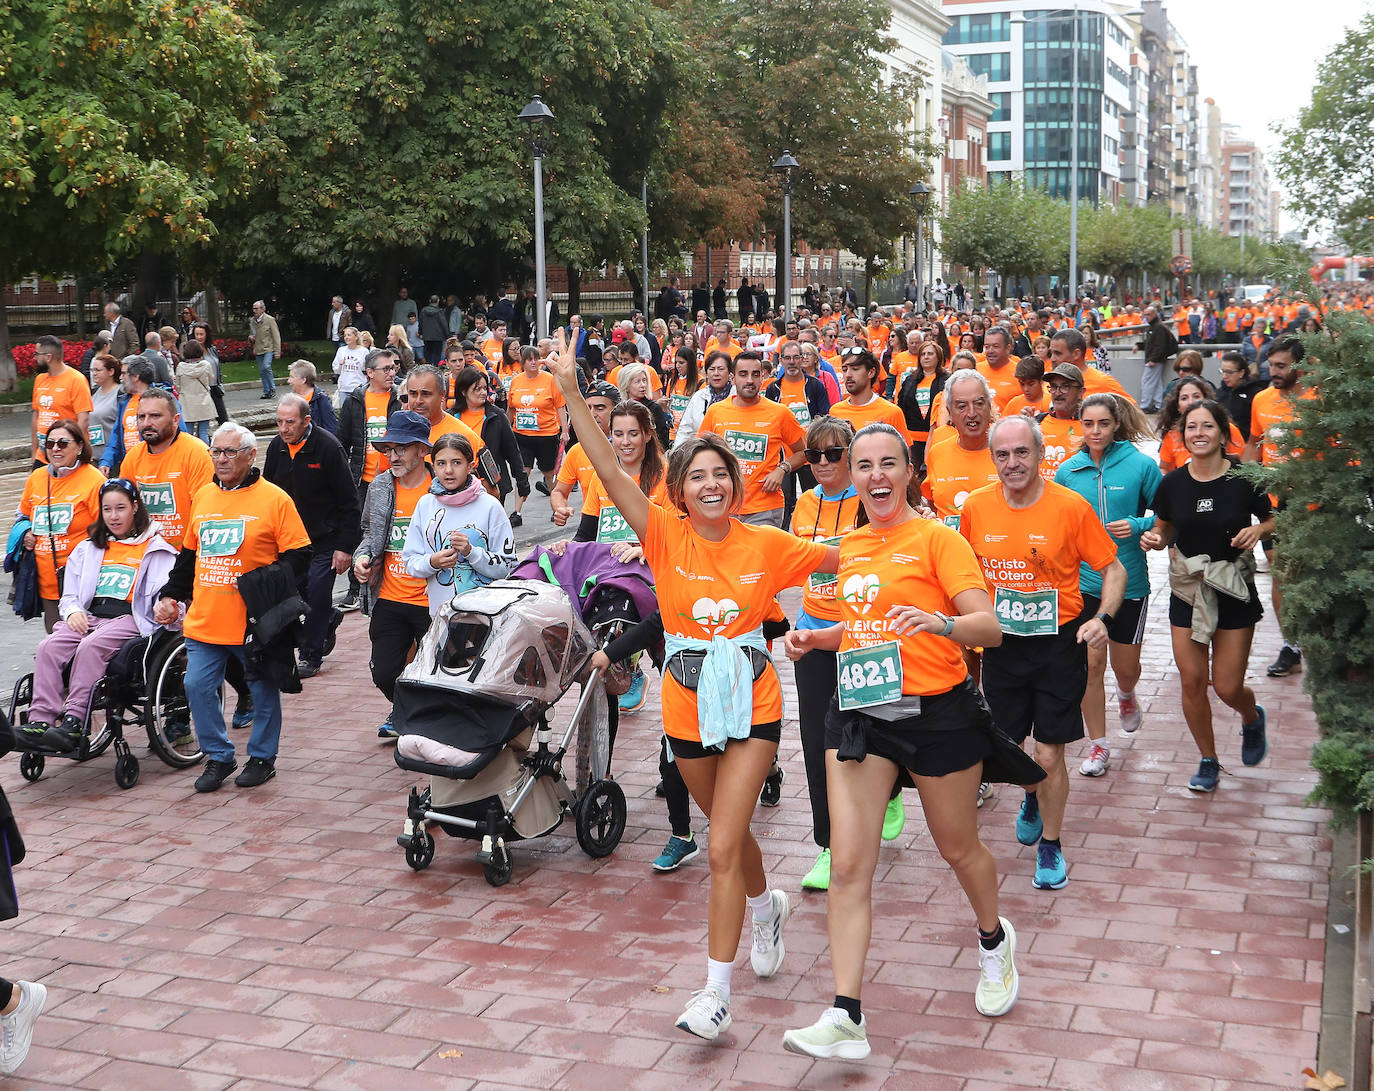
<point>911,598</point>
<point>539,419</point>
<point>716,580</point>
<point>683,382</point>
<point>61,500</point>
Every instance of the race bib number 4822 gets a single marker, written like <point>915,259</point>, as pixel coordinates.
<point>1027,613</point>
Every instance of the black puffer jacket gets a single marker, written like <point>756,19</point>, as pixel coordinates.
<point>353,427</point>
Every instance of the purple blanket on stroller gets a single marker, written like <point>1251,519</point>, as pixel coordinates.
<point>586,566</point>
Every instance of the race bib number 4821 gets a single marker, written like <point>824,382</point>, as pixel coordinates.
<point>747,446</point>
<point>870,676</point>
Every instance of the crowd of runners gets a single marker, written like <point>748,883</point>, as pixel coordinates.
<point>965,498</point>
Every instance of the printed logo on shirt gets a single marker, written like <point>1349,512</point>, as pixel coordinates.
<point>221,537</point>
<point>158,497</point>
<point>714,616</point>
<point>52,519</point>
<point>861,590</point>
<point>1204,504</point>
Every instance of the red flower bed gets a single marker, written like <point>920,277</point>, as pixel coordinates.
<point>230,349</point>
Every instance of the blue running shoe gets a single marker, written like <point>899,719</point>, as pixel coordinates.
<point>1050,870</point>
<point>243,711</point>
<point>632,700</point>
<point>386,731</point>
<point>1206,777</point>
<point>676,853</point>
<point>1028,823</point>
<point>1254,744</point>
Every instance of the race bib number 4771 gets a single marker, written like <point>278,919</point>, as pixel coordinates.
<point>747,446</point>
<point>220,537</point>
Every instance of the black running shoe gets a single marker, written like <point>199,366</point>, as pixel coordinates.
<point>215,774</point>
<point>771,795</point>
<point>1289,660</point>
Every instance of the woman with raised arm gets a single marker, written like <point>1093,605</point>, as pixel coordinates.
<point>722,704</point>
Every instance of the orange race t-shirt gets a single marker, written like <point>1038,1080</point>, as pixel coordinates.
<point>61,510</point>
<point>1030,556</point>
<point>1005,385</point>
<point>817,518</point>
<point>952,472</point>
<point>58,397</point>
<point>726,588</point>
<point>610,525</point>
<point>119,570</point>
<point>757,434</point>
<point>1172,453</point>
<point>374,428</point>
<point>234,531</point>
<point>474,419</point>
<point>577,471</point>
<point>901,363</point>
<point>873,411</point>
<point>1268,411</point>
<point>1063,438</point>
<point>534,403</point>
<point>129,422</point>
<point>917,563</point>
<point>169,481</point>
<point>449,423</point>
<point>1018,403</point>
<point>792,396</point>
<point>397,584</point>
<point>1099,382</point>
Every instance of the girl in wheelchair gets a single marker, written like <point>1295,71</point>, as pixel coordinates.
<point>111,586</point>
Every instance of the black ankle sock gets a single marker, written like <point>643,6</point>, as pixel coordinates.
<point>988,941</point>
<point>850,1006</point>
<point>1050,841</point>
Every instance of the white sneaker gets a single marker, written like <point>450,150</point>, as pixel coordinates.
<point>767,952</point>
<point>707,1015</point>
<point>998,981</point>
<point>834,1034</point>
<point>17,1027</point>
<point>1129,708</point>
<point>985,792</point>
<point>1097,761</point>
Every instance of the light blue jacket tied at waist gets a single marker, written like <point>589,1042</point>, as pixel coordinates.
<point>725,691</point>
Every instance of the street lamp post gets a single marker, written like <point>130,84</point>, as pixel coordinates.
<point>920,193</point>
<point>539,117</point>
<point>1022,20</point>
<point>644,244</point>
<point>786,167</point>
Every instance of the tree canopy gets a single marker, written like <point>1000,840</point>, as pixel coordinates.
<point>1323,161</point>
<point>128,126</point>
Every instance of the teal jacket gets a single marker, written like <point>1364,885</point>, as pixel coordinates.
<point>1123,487</point>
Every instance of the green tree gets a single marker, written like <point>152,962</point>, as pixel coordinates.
<point>806,76</point>
<point>1016,231</point>
<point>1326,556</point>
<point>127,127</point>
<point>408,150</point>
<point>1124,241</point>
<point>1323,161</point>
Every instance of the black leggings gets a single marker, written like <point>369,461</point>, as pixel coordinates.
<point>394,627</point>
<point>6,992</point>
<point>675,792</point>
<point>815,674</point>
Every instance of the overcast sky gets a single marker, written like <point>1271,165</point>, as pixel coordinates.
<point>1258,60</point>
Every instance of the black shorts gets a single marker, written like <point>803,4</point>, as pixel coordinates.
<point>1128,627</point>
<point>538,450</point>
<point>1231,613</point>
<point>691,748</point>
<point>1034,685</point>
<point>952,733</point>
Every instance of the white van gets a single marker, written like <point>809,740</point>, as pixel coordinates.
<point>1254,293</point>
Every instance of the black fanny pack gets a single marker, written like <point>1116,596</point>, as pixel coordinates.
<point>685,667</point>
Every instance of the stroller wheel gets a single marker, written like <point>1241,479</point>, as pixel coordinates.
<point>420,856</point>
<point>601,818</point>
<point>497,870</point>
<point>31,765</point>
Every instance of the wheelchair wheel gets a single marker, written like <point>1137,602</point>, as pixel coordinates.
<point>126,771</point>
<point>98,739</point>
<point>601,818</point>
<point>31,766</point>
<point>21,698</point>
<point>168,713</point>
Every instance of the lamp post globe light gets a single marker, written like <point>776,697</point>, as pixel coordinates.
<point>920,194</point>
<point>539,117</point>
<point>785,167</point>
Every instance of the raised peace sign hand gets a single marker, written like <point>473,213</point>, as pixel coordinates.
<point>563,365</point>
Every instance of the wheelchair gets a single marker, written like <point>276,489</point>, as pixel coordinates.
<point>143,685</point>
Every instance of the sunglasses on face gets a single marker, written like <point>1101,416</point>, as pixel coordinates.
<point>830,454</point>
<point>59,444</point>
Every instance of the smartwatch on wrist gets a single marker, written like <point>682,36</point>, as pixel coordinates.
<point>1104,617</point>
<point>949,623</point>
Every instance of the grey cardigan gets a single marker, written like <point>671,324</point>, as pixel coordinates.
<point>379,511</point>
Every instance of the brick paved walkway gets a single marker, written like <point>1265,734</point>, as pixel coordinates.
<point>277,937</point>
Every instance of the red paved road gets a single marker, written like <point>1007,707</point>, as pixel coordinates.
<point>276,937</point>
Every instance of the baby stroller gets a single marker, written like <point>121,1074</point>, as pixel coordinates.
<point>473,710</point>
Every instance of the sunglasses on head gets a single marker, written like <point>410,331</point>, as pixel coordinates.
<point>830,454</point>
<point>853,350</point>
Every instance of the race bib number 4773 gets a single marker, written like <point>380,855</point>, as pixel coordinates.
<point>747,446</point>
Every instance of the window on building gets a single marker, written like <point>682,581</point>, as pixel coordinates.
<point>1001,106</point>
<point>976,29</point>
<point>996,66</point>
<point>999,146</point>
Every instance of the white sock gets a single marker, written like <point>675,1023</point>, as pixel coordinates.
<point>1122,695</point>
<point>718,975</point>
<point>761,905</point>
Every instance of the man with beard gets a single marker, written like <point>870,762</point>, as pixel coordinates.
<point>168,465</point>
<point>1060,426</point>
<point>59,393</point>
<point>863,405</point>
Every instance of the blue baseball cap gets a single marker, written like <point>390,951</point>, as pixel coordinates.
<point>402,427</point>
